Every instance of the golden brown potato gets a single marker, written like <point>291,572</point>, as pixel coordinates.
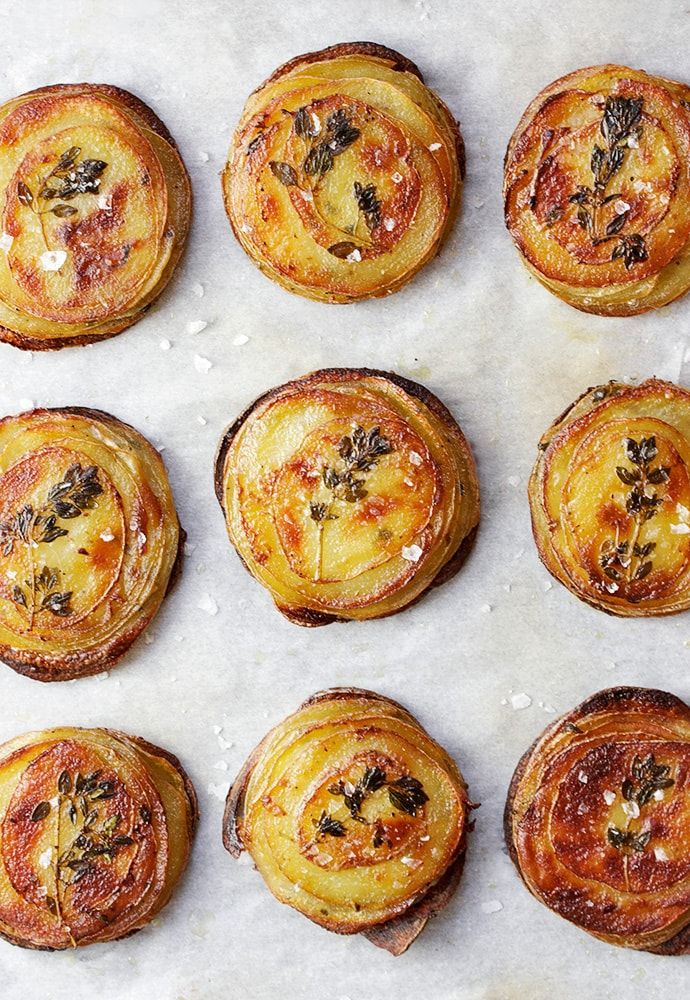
<point>597,819</point>
<point>347,493</point>
<point>89,540</point>
<point>354,816</point>
<point>610,498</point>
<point>97,205</point>
<point>95,830</point>
<point>344,173</point>
<point>597,189</point>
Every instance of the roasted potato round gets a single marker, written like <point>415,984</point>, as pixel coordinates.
<point>96,211</point>
<point>95,831</point>
<point>89,540</point>
<point>347,493</point>
<point>354,816</point>
<point>597,189</point>
<point>344,173</point>
<point>597,819</point>
<point>610,498</point>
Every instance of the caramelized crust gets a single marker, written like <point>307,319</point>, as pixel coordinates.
<point>347,493</point>
<point>597,189</point>
<point>96,211</point>
<point>610,498</point>
<point>344,173</point>
<point>597,819</point>
<point>89,540</point>
<point>354,816</point>
<point>95,831</point>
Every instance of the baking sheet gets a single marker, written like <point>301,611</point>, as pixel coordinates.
<point>220,665</point>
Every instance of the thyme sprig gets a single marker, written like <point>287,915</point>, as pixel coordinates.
<point>628,559</point>
<point>75,493</point>
<point>320,155</point>
<point>647,777</point>
<point>43,595</point>
<point>68,178</point>
<point>620,124</point>
<point>94,839</point>
<point>405,794</point>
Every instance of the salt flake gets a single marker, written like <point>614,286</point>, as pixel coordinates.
<point>413,553</point>
<point>52,260</point>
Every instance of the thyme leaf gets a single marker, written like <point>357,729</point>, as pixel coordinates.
<point>406,794</point>
<point>368,204</point>
<point>646,778</point>
<point>327,826</point>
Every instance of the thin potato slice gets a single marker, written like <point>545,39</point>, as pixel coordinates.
<point>342,187</point>
<point>597,190</point>
<point>354,816</point>
<point>95,831</point>
<point>89,541</point>
<point>347,494</point>
<point>598,814</point>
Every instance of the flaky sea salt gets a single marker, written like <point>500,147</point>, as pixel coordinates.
<point>609,797</point>
<point>52,260</point>
<point>354,257</point>
<point>196,326</point>
<point>520,700</point>
<point>6,242</point>
<point>107,536</point>
<point>492,906</point>
<point>240,340</point>
<point>202,364</point>
<point>680,529</point>
<point>208,604</point>
<point>413,553</point>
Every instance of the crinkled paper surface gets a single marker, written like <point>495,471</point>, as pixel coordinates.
<point>221,666</point>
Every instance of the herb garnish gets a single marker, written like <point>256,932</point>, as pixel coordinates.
<point>359,452</point>
<point>327,826</point>
<point>67,179</point>
<point>368,204</point>
<point>94,837</point>
<point>647,778</point>
<point>69,498</point>
<point>619,125</point>
<point>406,794</point>
<point>627,559</point>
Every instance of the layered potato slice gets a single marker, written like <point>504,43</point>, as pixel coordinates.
<point>344,173</point>
<point>354,816</point>
<point>610,498</point>
<point>347,493</point>
<point>597,819</point>
<point>597,189</point>
<point>95,831</point>
<point>89,540</point>
<point>95,214</point>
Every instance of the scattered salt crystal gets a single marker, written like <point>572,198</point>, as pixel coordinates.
<point>196,326</point>
<point>415,459</point>
<point>165,344</point>
<point>202,364</point>
<point>52,260</point>
<point>546,586</point>
<point>208,604</point>
<point>485,609</point>
<point>220,765</point>
<point>220,791</point>
<point>621,206</point>
<point>492,906</point>
<point>354,257</point>
<point>582,809</point>
<point>203,156</point>
<point>434,146</point>
<point>582,777</point>
<point>609,797</point>
<point>413,553</point>
<point>659,794</point>
<point>396,178</point>
<point>107,536</point>
<point>223,743</point>
<point>202,420</point>
<point>189,548</point>
<point>682,512</point>
<point>660,854</point>
<point>141,539</point>
<point>389,225</point>
<point>631,809</point>
<point>105,203</point>
<point>198,290</point>
<point>217,730</point>
<point>148,638</point>
<point>521,700</point>
<point>6,242</point>
<point>680,529</point>
<point>513,480</point>
<point>45,859</point>
<point>240,340</point>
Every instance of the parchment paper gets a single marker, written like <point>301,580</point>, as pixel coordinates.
<point>505,355</point>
